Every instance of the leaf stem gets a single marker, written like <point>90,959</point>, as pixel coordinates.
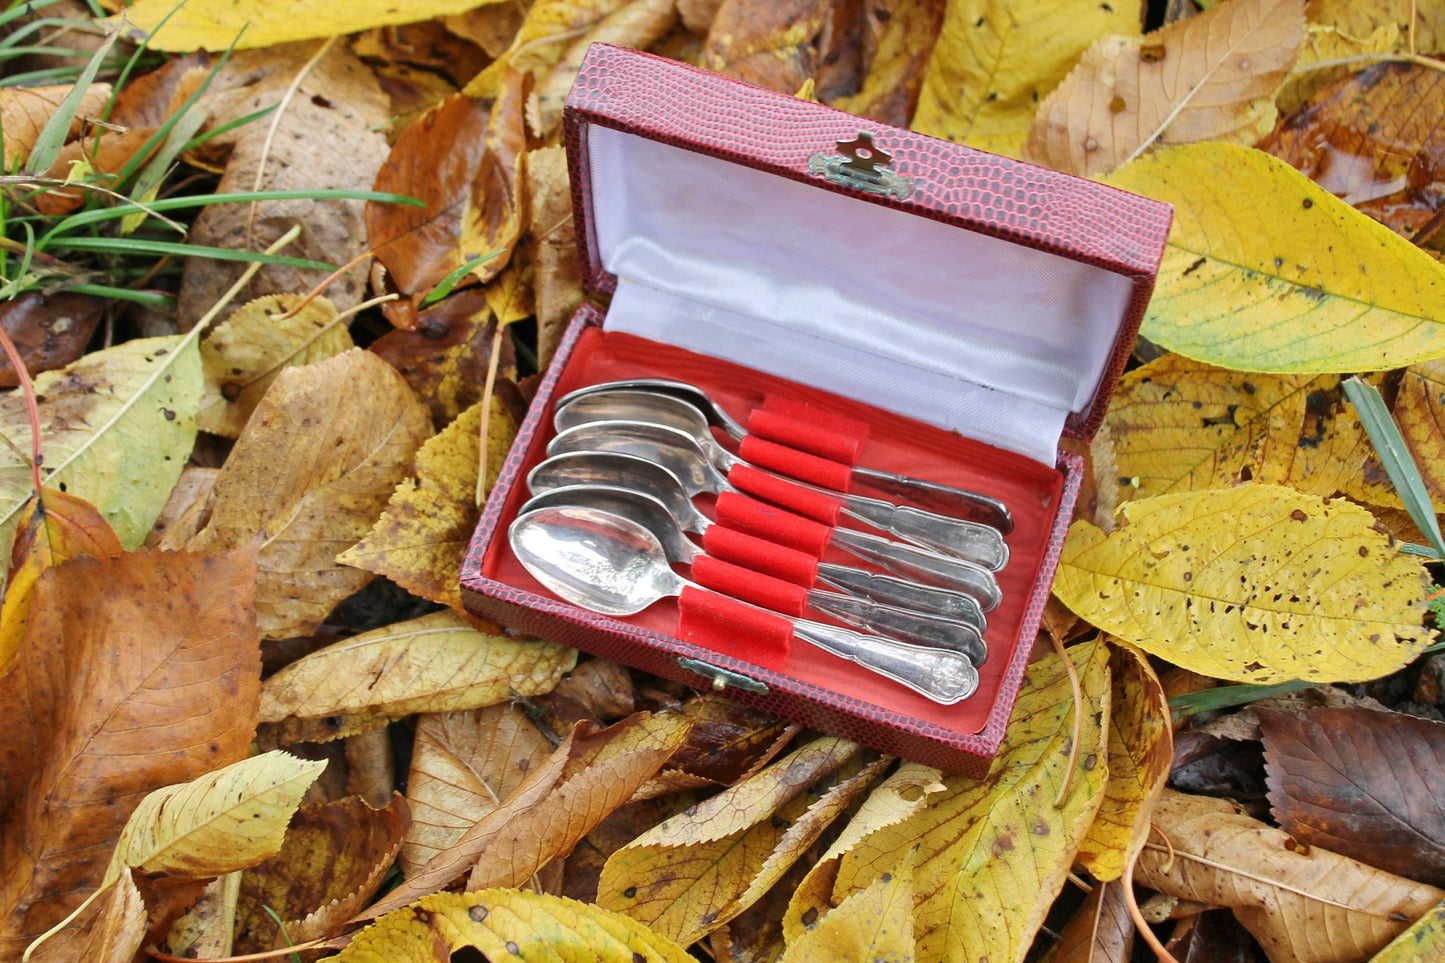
<point>266,955</point>
<point>31,405</point>
<point>1078,690</point>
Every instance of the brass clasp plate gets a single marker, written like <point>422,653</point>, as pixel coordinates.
<point>722,678</point>
<point>860,164</point>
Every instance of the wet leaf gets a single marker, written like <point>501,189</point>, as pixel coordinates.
<point>113,696</point>
<point>509,922</point>
<point>116,427</point>
<point>341,463</point>
<point>1256,583</point>
<point>462,767</point>
<point>1211,77</point>
<point>1359,782</point>
<point>895,75</point>
<point>1266,271</point>
<point>1100,931</point>
<point>242,355</point>
<point>875,923</point>
<point>24,112</point>
<point>1362,19</point>
<point>1326,44</point>
<point>332,861</point>
<point>773,45</point>
<point>436,663</point>
<point>50,331</point>
<point>1314,907</point>
<point>994,62</point>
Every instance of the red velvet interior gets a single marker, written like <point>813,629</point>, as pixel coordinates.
<point>897,444</point>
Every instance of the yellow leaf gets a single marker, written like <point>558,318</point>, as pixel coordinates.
<point>1179,425</point>
<point>1311,907</point>
<point>875,923</point>
<point>1423,942</point>
<point>508,924</point>
<point>118,933</point>
<point>218,823</point>
<point>1327,44</point>
<point>242,355</point>
<point>309,476</point>
<point>895,76</point>
<point>436,663</point>
<point>116,428</point>
<point>1362,19</point>
<point>1266,271</point>
<point>994,61</point>
<point>1141,753</point>
<point>1257,583</point>
<point>1211,77</point>
<point>773,45</point>
<point>216,24</point>
<point>424,532</point>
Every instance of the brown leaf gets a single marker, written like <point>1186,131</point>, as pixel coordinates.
<point>324,140</point>
<point>490,26</point>
<point>106,156</point>
<point>773,45</point>
<point>426,44</point>
<point>24,112</point>
<point>49,330</point>
<point>411,92</point>
<point>310,476</point>
<point>1363,783</point>
<point>1210,77</point>
<point>151,98</point>
<point>370,767</point>
<point>1100,931</point>
<point>116,932</point>
<point>332,862</point>
<point>138,671</point>
<point>602,686</point>
<point>727,743</point>
<point>1314,907</point>
<point>1375,139</point>
<point>187,510</point>
<point>890,90</point>
<point>558,277</point>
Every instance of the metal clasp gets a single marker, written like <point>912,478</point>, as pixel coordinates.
<point>722,678</point>
<point>860,164</point>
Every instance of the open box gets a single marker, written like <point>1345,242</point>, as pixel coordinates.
<point>971,309</point>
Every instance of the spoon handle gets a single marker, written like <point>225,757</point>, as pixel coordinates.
<point>903,594</point>
<point>911,627</point>
<point>922,566</point>
<point>942,675</point>
<point>972,506</point>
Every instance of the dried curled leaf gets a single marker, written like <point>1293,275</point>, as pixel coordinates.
<point>1256,583</point>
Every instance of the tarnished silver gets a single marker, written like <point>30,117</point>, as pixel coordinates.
<point>614,566</point>
<point>637,474</point>
<point>895,623</point>
<point>975,506</point>
<point>679,454</point>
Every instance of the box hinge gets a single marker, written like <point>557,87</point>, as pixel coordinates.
<point>722,678</point>
<point>860,164</point>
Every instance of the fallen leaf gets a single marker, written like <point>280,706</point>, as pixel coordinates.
<point>116,428</point>
<point>340,464</point>
<point>426,527</point>
<point>1267,271</point>
<point>490,26</point>
<point>994,62</point>
<point>242,355</point>
<point>501,921</point>
<point>1359,782</point>
<point>638,23</point>
<point>557,273</point>
<point>1315,907</point>
<point>1207,78</point>
<point>1419,411</point>
<point>773,45</point>
<point>187,510</point>
<point>331,862</point>
<point>895,77</point>
<point>1327,44</point>
<point>50,330</point>
<point>115,694</point>
<point>370,767</point>
<point>604,687</point>
<point>104,156</point>
<point>411,92</point>
<point>1362,19</point>
<point>437,663</point>
<point>1423,941</point>
<point>463,765</point>
<point>1178,425</point>
<point>205,929</point>
<point>1376,139</point>
<point>426,44</point>
<point>24,112</point>
<point>1100,931</point>
<point>875,923</point>
<point>1256,584</point>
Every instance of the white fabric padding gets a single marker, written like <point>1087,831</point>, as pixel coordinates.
<point>957,329</point>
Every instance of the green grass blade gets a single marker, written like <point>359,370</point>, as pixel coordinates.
<point>135,245</point>
<point>229,126</point>
<point>1396,457</point>
<point>53,135</point>
<point>444,287</point>
<point>1228,696</point>
<point>124,294</point>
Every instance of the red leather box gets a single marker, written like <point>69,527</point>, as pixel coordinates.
<point>970,309</point>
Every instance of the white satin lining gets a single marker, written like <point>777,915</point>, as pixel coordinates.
<point>956,329</point>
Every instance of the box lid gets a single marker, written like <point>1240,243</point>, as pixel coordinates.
<point>967,290</point>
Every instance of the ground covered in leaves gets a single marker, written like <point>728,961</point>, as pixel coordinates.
<point>245,708</point>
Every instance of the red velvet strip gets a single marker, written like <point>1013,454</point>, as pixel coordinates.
<point>748,586</point>
<point>761,555</point>
<point>733,628</point>
<point>780,491</point>
<point>801,425</point>
<point>773,524</point>
<point>822,472</point>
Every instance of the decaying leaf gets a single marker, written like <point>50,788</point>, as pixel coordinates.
<point>437,663</point>
<point>1327,45</point>
<point>1100,931</point>
<point>727,743</point>
<point>206,928</point>
<point>504,922</point>
<point>116,428</point>
<point>1267,271</point>
<point>24,112</point>
<point>117,934</point>
<point>1424,940</point>
<point>186,511</point>
<point>1312,907</point>
<point>875,923</point>
<point>895,75</point>
<point>994,61</point>
<point>49,331</point>
<point>113,696</point>
<point>773,45</point>
<point>1362,19</point>
<point>1360,782</point>
<point>557,275</point>
<point>637,23</point>
<point>242,355</point>
<point>1419,411</point>
<point>1211,77</point>
<point>341,463</point>
<point>1256,583</point>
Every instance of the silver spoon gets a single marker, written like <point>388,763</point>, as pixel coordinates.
<point>895,623</point>
<point>975,505</point>
<point>973,541</point>
<point>615,566</point>
<point>677,453</point>
<point>615,469</point>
